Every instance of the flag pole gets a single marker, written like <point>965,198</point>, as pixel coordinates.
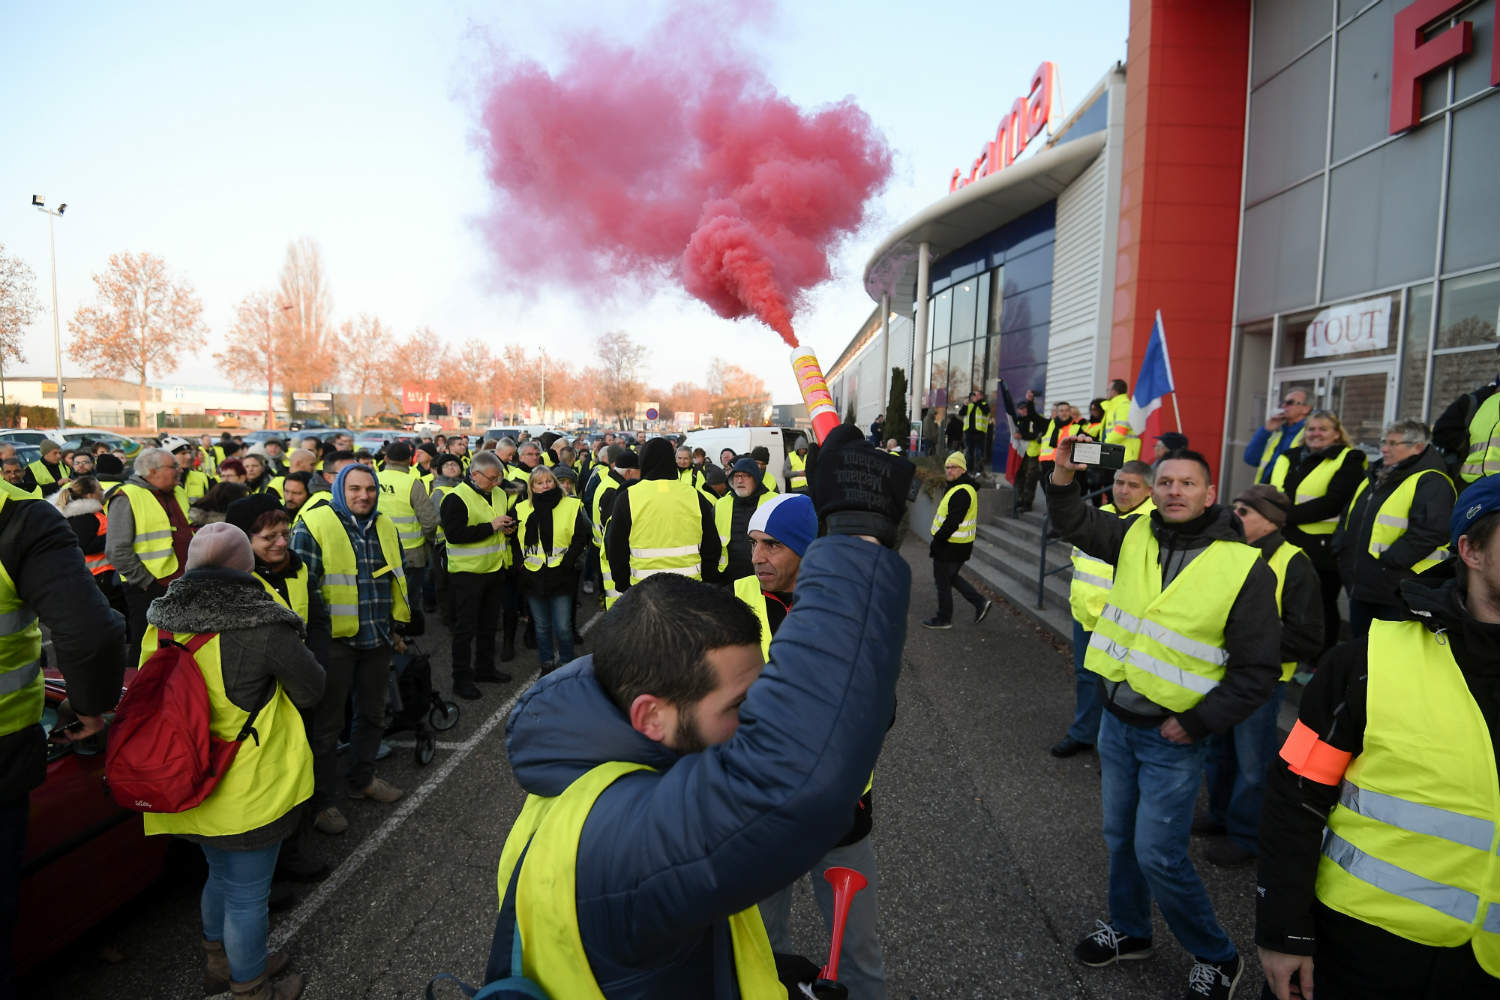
<point>1176,412</point>
<point>1167,361</point>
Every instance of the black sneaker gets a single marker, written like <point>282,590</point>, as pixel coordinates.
<point>936,623</point>
<point>1068,746</point>
<point>1214,980</point>
<point>1227,854</point>
<point>981,611</point>
<point>1106,947</point>
<point>467,690</point>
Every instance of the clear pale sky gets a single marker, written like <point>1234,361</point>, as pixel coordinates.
<point>214,136</point>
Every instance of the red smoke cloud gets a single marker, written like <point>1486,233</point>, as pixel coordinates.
<point>674,158</point>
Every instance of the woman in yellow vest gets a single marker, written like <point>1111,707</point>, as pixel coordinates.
<point>1383,811</point>
<point>554,533</point>
<point>1321,476</point>
<point>254,662</point>
<point>955,525</point>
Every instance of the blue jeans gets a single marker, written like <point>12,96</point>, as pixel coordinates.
<point>1086,705</point>
<point>553,618</point>
<point>861,967</point>
<point>234,906</point>
<point>1236,768</point>
<point>1149,787</point>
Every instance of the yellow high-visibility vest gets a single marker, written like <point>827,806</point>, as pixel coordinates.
<point>21,686</point>
<point>975,419</point>
<point>195,484</point>
<point>1093,578</point>
<point>797,482</point>
<point>1117,420</point>
<point>968,528</point>
<point>747,589</point>
<point>1484,442</point>
<point>296,589</point>
<point>1279,561</point>
<point>1269,453</point>
<point>724,521</point>
<point>42,474</point>
<point>548,831</point>
<point>488,555</point>
<point>1313,486</point>
<point>1392,518</point>
<point>395,503</point>
<point>1413,845</point>
<point>1168,644</point>
<point>153,529</point>
<point>666,530</point>
<point>564,518</point>
<point>270,774</point>
<point>340,586</point>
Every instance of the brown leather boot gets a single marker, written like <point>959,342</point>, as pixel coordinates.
<point>261,988</point>
<point>216,966</point>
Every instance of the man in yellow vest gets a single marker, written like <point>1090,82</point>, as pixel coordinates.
<point>1087,594</point>
<point>1379,875</point>
<point>43,580</point>
<point>1117,421</point>
<point>794,471</point>
<point>955,525</point>
<point>660,524</point>
<point>405,499</point>
<point>1396,526</point>
<point>353,558</point>
<point>194,483</point>
<point>633,754</point>
<point>47,473</point>
<point>1028,426</point>
<point>780,532</point>
<point>1282,432</point>
<point>732,512</point>
<point>478,523</point>
<point>1468,433</point>
<point>147,537</point>
<point>1187,645</point>
<point>1239,760</point>
<point>976,419</point>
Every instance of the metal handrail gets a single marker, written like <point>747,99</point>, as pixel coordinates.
<point>1042,571</point>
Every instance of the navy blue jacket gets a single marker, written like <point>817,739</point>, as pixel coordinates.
<point>666,856</point>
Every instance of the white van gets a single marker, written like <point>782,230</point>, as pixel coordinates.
<point>777,440</point>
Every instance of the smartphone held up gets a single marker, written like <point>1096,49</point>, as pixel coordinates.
<point>1103,456</point>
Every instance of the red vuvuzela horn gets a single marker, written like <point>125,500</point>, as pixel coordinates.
<point>846,882</point>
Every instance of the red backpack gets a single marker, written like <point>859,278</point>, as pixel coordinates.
<point>162,755</point>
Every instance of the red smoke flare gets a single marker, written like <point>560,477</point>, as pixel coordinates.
<point>674,158</point>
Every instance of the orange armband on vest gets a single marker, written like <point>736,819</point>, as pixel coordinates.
<point>1311,758</point>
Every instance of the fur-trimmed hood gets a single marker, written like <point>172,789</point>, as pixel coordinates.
<point>218,600</point>
<point>77,508</point>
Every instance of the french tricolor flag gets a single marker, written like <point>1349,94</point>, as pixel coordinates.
<point>1154,382</point>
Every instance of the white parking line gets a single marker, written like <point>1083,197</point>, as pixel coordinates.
<point>288,928</point>
<point>412,744</point>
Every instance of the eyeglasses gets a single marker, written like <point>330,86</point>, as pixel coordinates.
<point>1292,401</point>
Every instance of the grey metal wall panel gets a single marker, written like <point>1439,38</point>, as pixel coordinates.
<point>1362,88</point>
<point>1288,126</point>
<point>1279,252</point>
<point>1383,216</point>
<point>1472,75</point>
<point>1473,231</point>
<point>1284,28</point>
<point>1078,261</point>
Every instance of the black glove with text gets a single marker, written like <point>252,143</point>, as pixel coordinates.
<point>858,489</point>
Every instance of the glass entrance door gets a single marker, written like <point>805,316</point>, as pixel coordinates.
<point>1363,396</point>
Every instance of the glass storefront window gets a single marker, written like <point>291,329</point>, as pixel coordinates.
<point>982,306</point>
<point>938,385</point>
<point>1294,339</point>
<point>1468,309</point>
<point>965,298</point>
<point>960,370</point>
<point>997,297</point>
<point>992,369</point>
<point>942,315</point>
<point>1414,360</point>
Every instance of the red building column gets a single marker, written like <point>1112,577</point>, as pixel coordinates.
<point>1185,84</point>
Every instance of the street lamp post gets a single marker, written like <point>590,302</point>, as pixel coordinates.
<point>52,215</point>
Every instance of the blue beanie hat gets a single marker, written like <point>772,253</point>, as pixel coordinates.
<point>748,467</point>
<point>790,519</point>
<point>1482,497</point>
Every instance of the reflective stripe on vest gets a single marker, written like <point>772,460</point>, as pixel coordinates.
<point>548,831</point>
<point>1168,643</point>
<point>271,773</point>
<point>99,563</point>
<point>1392,518</point>
<point>296,588</point>
<point>975,419</point>
<point>340,584</point>
<point>395,503</point>
<point>1279,561</point>
<point>968,528</point>
<point>1268,454</point>
<point>21,687</point>
<point>488,555</point>
<point>1314,486</point>
<point>438,492</point>
<point>1484,441</point>
<point>153,529</point>
<point>798,479</point>
<point>564,517</point>
<point>1413,845</point>
<point>1049,451</point>
<point>1093,578</point>
<point>666,529</point>
<point>747,589</point>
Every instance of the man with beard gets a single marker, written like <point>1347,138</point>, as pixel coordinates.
<point>732,518</point>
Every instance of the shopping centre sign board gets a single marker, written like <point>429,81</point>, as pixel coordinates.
<point>1350,329</point>
<point>1414,56</point>
<point>1027,118</point>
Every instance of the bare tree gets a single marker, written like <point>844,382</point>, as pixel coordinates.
<point>364,345</point>
<point>251,347</point>
<point>307,356</point>
<point>620,360</point>
<point>736,394</point>
<point>141,321</point>
<point>19,305</point>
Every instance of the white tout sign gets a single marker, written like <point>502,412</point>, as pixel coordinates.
<point>1350,329</point>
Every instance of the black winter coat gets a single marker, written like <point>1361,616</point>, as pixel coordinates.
<point>1377,579</point>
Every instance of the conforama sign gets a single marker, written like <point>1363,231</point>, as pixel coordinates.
<point>1027,118</point>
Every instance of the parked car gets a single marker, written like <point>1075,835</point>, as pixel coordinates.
<point>31,437</point>
<point>87,437</point>
<point>85,856</point>
<point>254,437</point>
